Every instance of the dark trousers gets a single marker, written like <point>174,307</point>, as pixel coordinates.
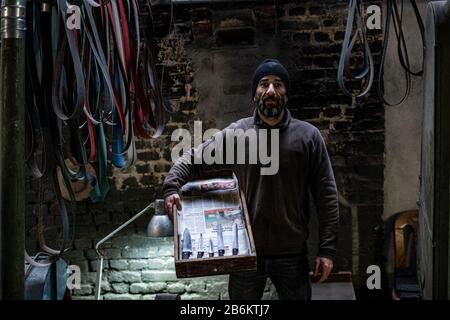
<point>289,274</point>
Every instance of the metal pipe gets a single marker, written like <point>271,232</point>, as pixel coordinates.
<point>98,282</point>
<point>12,166</point>
<point>13,23</point>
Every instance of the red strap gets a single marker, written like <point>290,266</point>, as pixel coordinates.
<point>126,37</point>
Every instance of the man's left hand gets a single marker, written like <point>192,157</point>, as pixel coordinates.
<point>323,268</point>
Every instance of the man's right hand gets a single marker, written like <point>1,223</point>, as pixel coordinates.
<point>169,201</point>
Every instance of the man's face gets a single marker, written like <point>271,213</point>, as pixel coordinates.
<point>270,96</point>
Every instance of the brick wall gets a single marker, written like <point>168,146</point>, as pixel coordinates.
<point>309,37</point>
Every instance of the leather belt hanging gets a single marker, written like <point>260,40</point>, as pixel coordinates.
<point>91,93</point>
<point>394,16</point>
<point>40,121</point>
<point>366,75</point>
<point>104,73</point>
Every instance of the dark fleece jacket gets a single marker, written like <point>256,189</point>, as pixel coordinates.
<point>278,204</point>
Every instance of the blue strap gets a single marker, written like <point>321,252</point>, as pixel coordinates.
<point>117,143</point>
<point>347,47</point>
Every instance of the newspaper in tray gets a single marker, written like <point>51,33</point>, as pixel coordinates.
<point>209,205</point>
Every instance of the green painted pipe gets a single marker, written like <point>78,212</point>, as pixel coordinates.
<point>12,110</point>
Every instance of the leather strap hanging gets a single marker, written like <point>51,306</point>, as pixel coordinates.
<point>395,17</point>
<point>104,91</point>
<point>40,120</point>
<point>367,73</point>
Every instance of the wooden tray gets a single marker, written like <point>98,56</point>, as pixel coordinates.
<point>215,265</point>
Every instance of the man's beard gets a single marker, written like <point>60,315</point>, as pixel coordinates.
<point>271,106</point>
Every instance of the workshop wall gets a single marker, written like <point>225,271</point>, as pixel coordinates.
<point>404,122</point>
<point>207,77</point>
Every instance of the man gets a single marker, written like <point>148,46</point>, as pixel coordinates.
<point>278,204</point>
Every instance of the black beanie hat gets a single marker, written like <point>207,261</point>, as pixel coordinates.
<point>270,67</point>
